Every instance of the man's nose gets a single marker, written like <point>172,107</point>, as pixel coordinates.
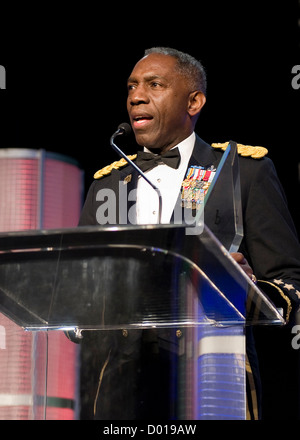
<point>138,96</point>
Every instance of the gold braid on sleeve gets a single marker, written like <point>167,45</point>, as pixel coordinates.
<point>282,294</point>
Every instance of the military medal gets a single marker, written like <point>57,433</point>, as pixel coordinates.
<point>127,179</point>
<point>195,186</point>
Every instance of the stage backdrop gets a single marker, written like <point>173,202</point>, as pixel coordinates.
<point>38,190</point>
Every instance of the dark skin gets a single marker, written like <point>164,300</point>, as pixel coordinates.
<point>163,110</point>
<point>162,107</point>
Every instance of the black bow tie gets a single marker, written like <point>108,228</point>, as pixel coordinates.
<point>148,161</point>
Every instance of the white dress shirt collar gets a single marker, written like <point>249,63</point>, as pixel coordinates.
<point>168,180</point>
<point>185,148</point>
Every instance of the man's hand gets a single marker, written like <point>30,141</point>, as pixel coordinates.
<point>241,260</point>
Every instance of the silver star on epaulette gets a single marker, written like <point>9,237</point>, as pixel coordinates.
<point>289,287</point>
<point>278,281</point>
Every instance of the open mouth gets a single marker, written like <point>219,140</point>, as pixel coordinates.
<point>142,120</point>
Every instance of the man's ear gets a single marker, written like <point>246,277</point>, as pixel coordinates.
<point>197,100</point>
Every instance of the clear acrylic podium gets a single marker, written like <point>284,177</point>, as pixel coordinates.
<point>159,313</point>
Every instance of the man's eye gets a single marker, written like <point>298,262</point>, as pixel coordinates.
<point>130,87</point>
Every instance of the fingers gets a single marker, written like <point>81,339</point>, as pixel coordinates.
<point>241,260</point>
<point>239,257</point>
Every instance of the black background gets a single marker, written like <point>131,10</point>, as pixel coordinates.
<point>67,68</point>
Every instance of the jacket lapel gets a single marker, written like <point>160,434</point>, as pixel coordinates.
<point>203,154</point>
<point>128,179</point>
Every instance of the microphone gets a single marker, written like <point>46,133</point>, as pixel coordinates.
<point>125,129</point>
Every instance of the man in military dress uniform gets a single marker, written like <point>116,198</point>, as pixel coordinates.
<point>166,92</point>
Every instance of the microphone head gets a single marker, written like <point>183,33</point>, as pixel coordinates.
<point>125,128</point>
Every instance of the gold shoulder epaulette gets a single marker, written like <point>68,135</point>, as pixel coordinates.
<point>115,165</point>
<point>244,150</point>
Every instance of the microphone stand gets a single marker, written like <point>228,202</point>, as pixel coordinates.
<point>119,132</point>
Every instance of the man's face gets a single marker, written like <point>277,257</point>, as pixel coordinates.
<point>158,103</point>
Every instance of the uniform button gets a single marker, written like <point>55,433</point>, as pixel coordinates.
<point>158,180</point>
<point>178,333</point>
<point>154,212</point>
